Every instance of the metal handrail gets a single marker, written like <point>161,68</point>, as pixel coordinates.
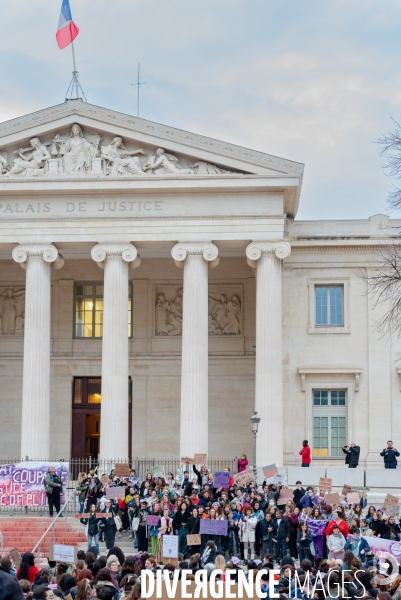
<point>51,526</point>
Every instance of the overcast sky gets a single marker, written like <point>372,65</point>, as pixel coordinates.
<point>314,81</point>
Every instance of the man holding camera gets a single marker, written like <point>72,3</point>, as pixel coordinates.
<point>352,455</point>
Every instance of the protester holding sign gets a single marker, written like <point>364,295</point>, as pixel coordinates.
<point>247,532</point>
<point>107,524</point>
<point>92,528</point>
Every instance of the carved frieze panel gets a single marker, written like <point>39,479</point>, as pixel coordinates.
<point>224,310</point>
<point>78,153</point>
<point>12,310</point>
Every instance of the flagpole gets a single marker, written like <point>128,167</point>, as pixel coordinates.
<point>75,69</point>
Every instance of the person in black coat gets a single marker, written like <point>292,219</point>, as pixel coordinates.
<point>267,530</point>
<point>10,588</point>
<point>108,526</point>
<point>282,537</point>
<point>390,455</point>
<point>351,455</point>
<point>378,526</point>
<point>299,493</point>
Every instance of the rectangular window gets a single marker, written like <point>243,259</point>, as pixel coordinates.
<point>329,422</point>
<point>329,305</point>
<point>89,310</point>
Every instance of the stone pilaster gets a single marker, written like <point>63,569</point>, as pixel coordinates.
<point>267,258</point>
<point>35,419</point>
<point>194,258</point>
<point>115,258</point>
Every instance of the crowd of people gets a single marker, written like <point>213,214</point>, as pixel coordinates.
<point>301,534</point>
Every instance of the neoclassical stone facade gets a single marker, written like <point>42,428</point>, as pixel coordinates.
<point>211,301</point>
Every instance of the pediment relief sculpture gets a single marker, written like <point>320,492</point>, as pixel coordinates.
<point>80,154</point>
<point>224,312</point>
<point>12,311</point>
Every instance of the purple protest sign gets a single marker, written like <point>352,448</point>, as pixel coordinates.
<point>221,480</point>
<point>315,526</point>
<point>213,527</point>
<point>21,484</point>
<point>152,520</point>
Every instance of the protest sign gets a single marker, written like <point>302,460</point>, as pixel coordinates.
<point>170,546</point>
<point>15,557</point>
<point>82,516</point>
<point>152,520</point>
<point>213,527</point>
<point>333,498</point>
<point>221,480</point>
<point>353,498</point>
<point>158,471</point>
<point>122,470</point>
<point>104,515</point>
<point>63,553</point>
<point>392,510</point>
<point>200,459</point>
<point>358,488</point>
<point>21,484</point>
<point>315,526</point>
<point>105,480</point>
<point>325,484</point>
<point>194,539</point>
<point>278,478</point>
<point>378,546</point>
<point>187,461</point>
<point>242,479</point>
<point>269,471</point>
<point>115,492</point>
<point>390,499</point>
<point>284,496</point>
<point>346,488</point>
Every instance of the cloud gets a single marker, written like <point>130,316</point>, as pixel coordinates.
<point>310,81</point>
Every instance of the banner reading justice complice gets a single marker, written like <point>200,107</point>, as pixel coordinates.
<point>22,484</point>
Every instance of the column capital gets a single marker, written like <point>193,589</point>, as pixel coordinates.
<point>254,251</point>
<point>207,250</point>
<point>47,252</point>
<point>127,252</point>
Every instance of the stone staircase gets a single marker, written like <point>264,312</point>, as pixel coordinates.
<point>23,533</point>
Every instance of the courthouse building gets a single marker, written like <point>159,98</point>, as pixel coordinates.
<point>168,291</point>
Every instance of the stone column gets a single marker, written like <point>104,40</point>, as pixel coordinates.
<point>194,258</point>
<point>114,259</point>
<point>267,258</point>
<point>35,420</point>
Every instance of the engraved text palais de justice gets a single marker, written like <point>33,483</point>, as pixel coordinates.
<point>82,207</point>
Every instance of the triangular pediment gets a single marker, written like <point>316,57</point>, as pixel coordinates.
<point>147,148</point>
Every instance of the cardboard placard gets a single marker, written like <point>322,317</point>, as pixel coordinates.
<point>200,459</point>
<point>104,515</point>
<point>390,499</point>
<point>392,510</point>
<point>122,470</point>
<point>63,553</point>
<point>325,484</point>
<point>158,471</point>
<point>15,557</point>
<point>307,511</point>
<point>241,479</point>
<point>187,461</point>
<point>278,478</point>
<point>270,471</point>
<point>221,480</point>
<point>333,498</point>
<point>152,520</point>
<point>358,488</point>
<point>82,516</point>
<point>194,539</point>
<point>353,497</point>
<point>346,488</point>
<point>284,496</point>
<point>115,492</point>
<point>213,526</point>
<point>170,546</point>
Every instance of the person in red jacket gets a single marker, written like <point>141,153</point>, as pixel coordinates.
<point>305,453</point>
<point>242,463</point>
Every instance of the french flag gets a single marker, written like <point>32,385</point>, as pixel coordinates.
<point>67,31</point>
